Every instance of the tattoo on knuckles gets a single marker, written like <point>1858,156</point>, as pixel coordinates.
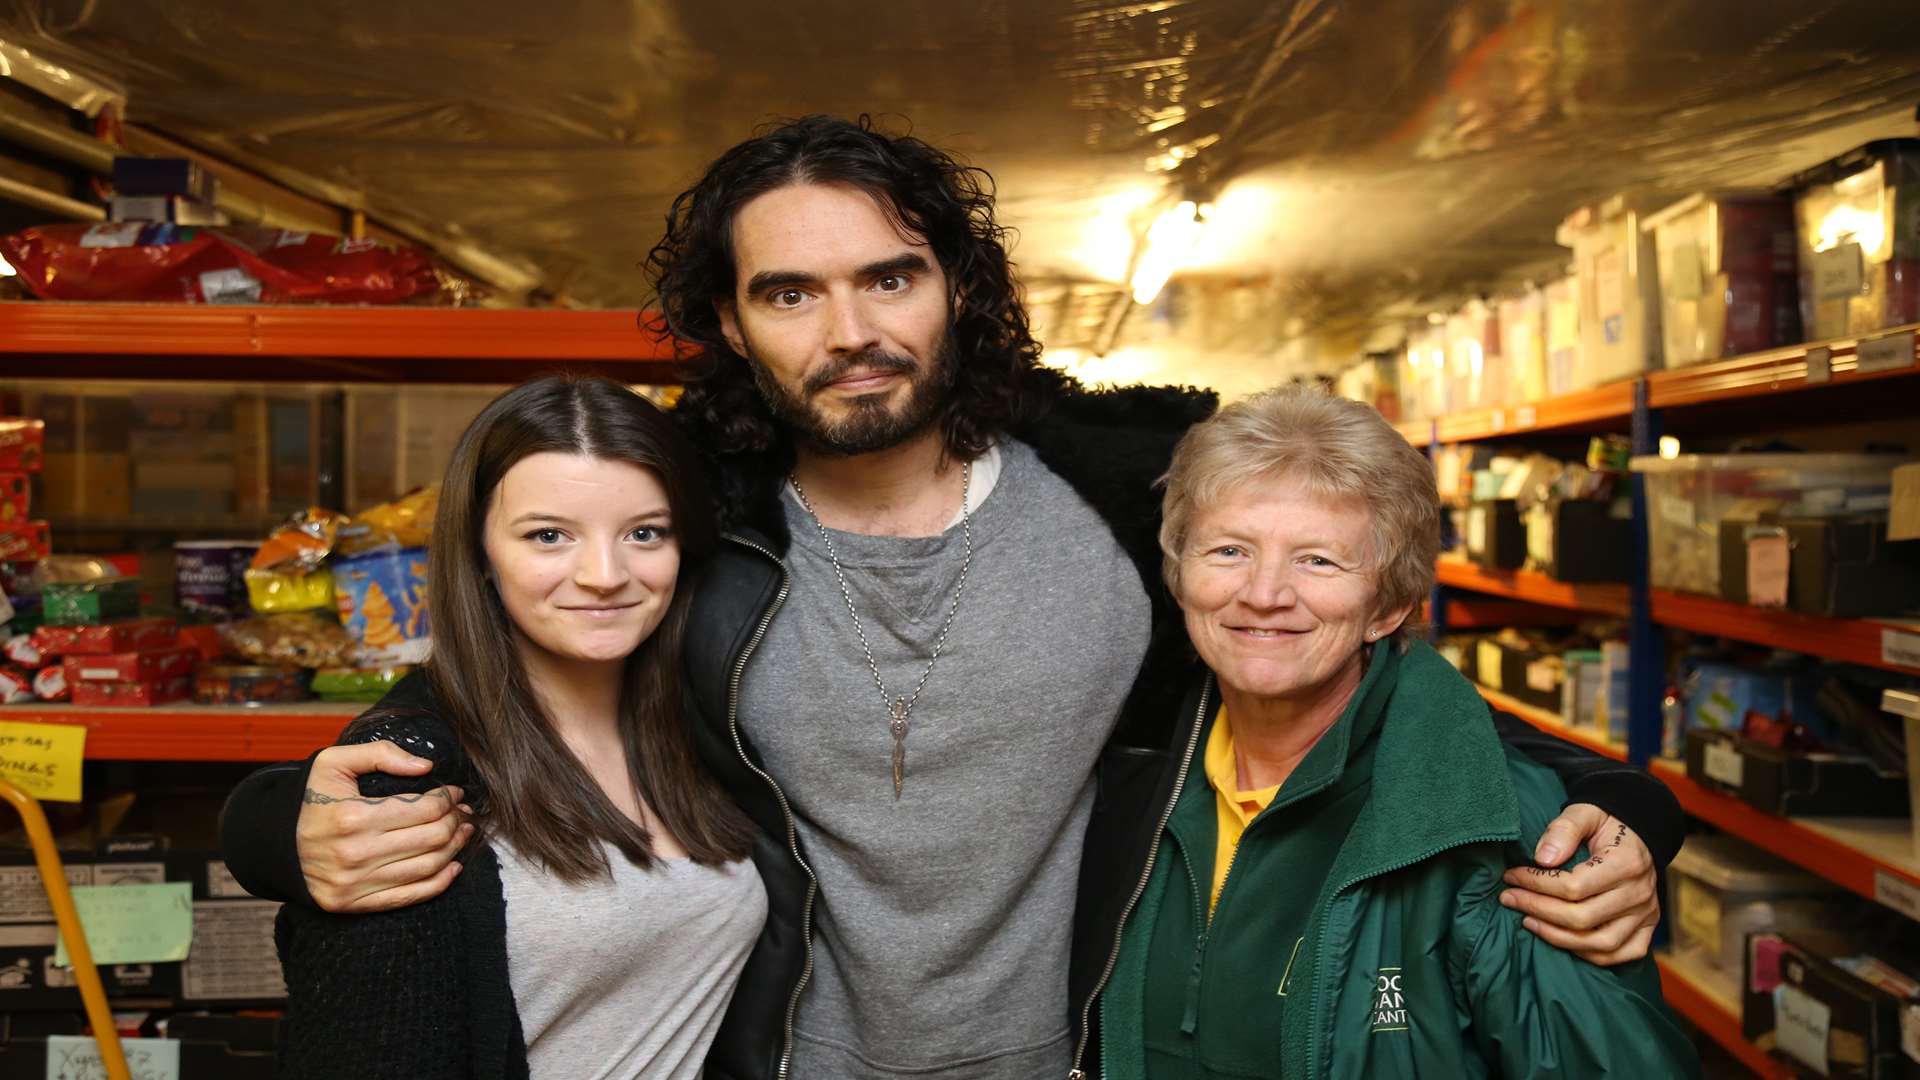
<point>315,798</point>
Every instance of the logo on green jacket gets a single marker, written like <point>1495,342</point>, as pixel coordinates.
<point>1389,1003</point>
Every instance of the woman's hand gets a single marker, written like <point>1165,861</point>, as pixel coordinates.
<point>363,854</point>
<point>1602,910</point>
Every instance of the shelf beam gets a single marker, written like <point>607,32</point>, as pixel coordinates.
<point>1778,370</point>
<point>1601,406</point>
<point>1552,724</point>
<point>197,732</point>
<point>1706,1011</point>
<point>1533,588</point>
<point>1881,644</point>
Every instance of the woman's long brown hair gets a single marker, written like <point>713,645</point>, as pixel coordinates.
<point>535,793</point>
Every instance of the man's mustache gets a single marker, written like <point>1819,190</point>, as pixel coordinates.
<point>875,360</point>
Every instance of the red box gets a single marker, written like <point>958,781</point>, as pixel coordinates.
<point>151,666</point>
<point>13,497</point>
<point>25,541</point>
<point>138,694</point>
<point>22,443</point>
<point>204,641</point>
<point>127,635</point>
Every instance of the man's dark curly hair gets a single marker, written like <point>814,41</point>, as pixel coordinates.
<point>927,193</point>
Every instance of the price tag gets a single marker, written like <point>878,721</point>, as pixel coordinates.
<point>1900,647</point>
<point>1820,365</point>
<point>1890,353</point>
<point>1723,763</point>
<point>1800,1025</point>
<point>1525,416</point>
<point>1910,1031</point>
<point>1838,273</point>
<point>1769,561</point>
<point>1499,420</point>
<point>1896,893</point>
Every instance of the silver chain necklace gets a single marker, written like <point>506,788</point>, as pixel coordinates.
<point>899,709</point>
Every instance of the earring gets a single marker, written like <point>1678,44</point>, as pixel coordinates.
<point>1371,634</point>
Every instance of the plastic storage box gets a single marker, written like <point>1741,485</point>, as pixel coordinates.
<point>1728,281</point>
<point>1563,337</point>
<point>1476,375</point>
<point>1720,889</point>
<point>1614,268</point>
<point>1690,495</point>
<point>1859,233</point>
<point>1523,345</point>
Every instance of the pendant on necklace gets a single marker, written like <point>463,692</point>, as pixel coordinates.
<point>899,729</point>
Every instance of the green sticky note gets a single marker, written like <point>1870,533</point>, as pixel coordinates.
<point>134,924</point>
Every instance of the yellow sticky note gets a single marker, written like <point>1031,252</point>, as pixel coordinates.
<point>43,759</point>
<point>134,924</point>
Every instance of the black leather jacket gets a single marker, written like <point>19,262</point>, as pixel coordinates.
<point>1111,447</point>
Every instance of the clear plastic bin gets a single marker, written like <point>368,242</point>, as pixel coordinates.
<point>1688,497</point>
<point>1475,374</point>
<point>1859,232</point>
<point>1728,282</point>
<point>1423,374</point>
<point>1614,268</point>
<point>1720,889</point>
<point>1523,345</point>
<point>1563,337</point>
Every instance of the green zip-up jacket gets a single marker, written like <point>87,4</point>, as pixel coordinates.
<point>1406,965</point>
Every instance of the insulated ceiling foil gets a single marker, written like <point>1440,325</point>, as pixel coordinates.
<point>1365,159</point>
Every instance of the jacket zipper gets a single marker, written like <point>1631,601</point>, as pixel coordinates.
<point>1320,991</point>
<point>793,830</point>
<point>1146,872</point>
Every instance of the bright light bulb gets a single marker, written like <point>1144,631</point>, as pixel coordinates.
<point>1669,447</point>
<point>6,268</point>
<point>1169,242</point>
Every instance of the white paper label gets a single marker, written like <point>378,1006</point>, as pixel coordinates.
<point>1477,530</point>
<point>222,885</point>
<point>1676,510</point>
<point>1820,365</point>
<point>77,1057</point>
<point>1890,353</point>
<point>1900,647</point>
<point>1524,416</point>
<point>1800,1025</point>
<point>233,957</point>
<point>1499,420</point>
<point>1724,763</point>
<point>1838,273</point>
<point>117,235</point>
<point>1896,893</point>
<point>1543,676</point>
<point>233,286</point>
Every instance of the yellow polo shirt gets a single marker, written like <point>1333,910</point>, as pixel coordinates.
<point>1233,808</point>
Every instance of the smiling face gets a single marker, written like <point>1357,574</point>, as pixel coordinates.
<point>842,316</point>
<point>582,554</point>
<point>1278,588</point>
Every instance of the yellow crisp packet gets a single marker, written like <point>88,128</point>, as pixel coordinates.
<point>270,591</point>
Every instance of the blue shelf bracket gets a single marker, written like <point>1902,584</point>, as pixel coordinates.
<point>1647,660</point>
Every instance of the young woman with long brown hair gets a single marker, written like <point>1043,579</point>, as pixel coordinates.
<point>605,903</point>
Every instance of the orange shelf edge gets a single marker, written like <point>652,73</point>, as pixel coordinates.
<point>1613,401</point>
<point>1701,1010</point>
<point>196,733</point>
<point>1533,588</point>
<point>1769,372</point>
<point>1855,641</point>
<point>1552,724</point>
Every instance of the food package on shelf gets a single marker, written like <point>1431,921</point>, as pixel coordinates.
<point>1859,241</point>
<point>23,443</point>
<point>238,684</point>
<point>306,639</point>
<point>210,577</point>
<point>1564,339</point>
<point>273,592</point>
<point>356,684</point>
<point>16,501</point>
<point>1523,345</point>
<point>144,694</point>
<point>287,573</point>
<point>1476,374</point>
<point>1614,268</point>
<point>86,602</point>
<point>406,522</point>
<point>148,666</point>
<point>1689,496</point>
<point>25,541</point>
<point>16,685</point>
<point>383,604</point>
<point>1728,279</point>
<point>50,683</point>
<point>150,261</point>
<point>131,635</point>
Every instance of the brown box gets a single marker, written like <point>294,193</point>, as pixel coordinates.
<point>1904,524</point>
<point>132,666</point>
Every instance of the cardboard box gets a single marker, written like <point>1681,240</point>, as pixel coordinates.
<point>25,541</point>
<point>173,209</point>
<point>1847,568</point>
<point>164,176</point>
<point>132,635</point>
<point>1793,784</point>
<point>144,694</point>
<point>91,602</point>
<point>132,666</point>
<point>1903,522</point>
<point>1799,1004</point>
<point>22,442</point>
<point>15,497</point>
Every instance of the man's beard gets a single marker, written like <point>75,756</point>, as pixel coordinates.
<point>869,424</point>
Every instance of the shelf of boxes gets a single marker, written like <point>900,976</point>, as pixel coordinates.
<point>1874,857</point>
<point>1717,1016</point>
<point>1551,723</point>
<point>1887,355</point>
<point>1890,644</point>
<point>1533,588</point>
<point>189,732</point>
<point>1606,406</point>
<point>328,344</point>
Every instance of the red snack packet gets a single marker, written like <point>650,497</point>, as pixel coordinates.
<point>20,649</point>
<point>127,635</point>
<point>50,683</point>
<point>204,641</point>
<point>22,442</point>
<point>134,694</point>
<point>25,541</point>
<point>16,686</point>
<point>151,666</point>
<point>13,497</point>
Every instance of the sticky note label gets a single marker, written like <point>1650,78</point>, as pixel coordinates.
<point>77,1057</point>
<point>1769,562</point>
<point>1800,1025</point>
<point>43,759</point>
<point>1896,893</point>
<point>134,924</point>
<point>1890,353</point>
<point>1900,647</point>
<point>1723,763</point>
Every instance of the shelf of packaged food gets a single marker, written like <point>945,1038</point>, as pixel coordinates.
<point>1533,588</point>
<point>1417,432</point>
<point>1891,644</point>
<point>1889,354</point>
<point>1706,1007</point>
<point>1603,406</point>
<point>1551,723</point>
<point>189,732</point>
<point>1871,856</point>
<point>188,341</point>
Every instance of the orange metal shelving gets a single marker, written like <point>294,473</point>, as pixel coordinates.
<point>1704,1010</point>
<point>1551,723</point>
<point>1778,370</point>
<point>197,732</point>
<point>1875,643</point>
<point>1533,588</point>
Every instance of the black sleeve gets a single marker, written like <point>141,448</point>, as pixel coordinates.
<point>257,833</point>
<point>1646,805</point>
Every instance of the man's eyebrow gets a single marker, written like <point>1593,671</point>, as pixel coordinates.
<point>905,262</point>
<point>769,279</point>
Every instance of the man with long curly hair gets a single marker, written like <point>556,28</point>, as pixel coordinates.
<point>935,661</point>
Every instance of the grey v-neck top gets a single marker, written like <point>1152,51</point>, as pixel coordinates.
<point>626,979</point>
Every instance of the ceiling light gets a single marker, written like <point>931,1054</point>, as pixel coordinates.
<point>6,268</point>
<point>1169,243</point>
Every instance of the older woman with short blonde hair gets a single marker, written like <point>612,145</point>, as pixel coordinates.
<point>1328,902</point>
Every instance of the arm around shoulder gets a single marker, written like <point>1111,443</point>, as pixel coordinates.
<point>257,828</point>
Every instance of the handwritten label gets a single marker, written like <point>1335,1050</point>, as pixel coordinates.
<point>1896,893</point>
<point>1820,365</point>
<point>43,759</point>
<point>1910,1031</point>
<point>134,924</point>
<point>1723,763</point>
<point>77,1057</point>
<point>1900,647</point>
<point>1800,1026</point>
<point>1890,353</point>
<point>1768,562</point>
